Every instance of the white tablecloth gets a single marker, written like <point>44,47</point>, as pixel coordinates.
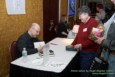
<point>57,63</point>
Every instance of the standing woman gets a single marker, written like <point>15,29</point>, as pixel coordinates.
<point>86,47</point>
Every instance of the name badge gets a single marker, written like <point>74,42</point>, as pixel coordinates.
<point>85,29</point>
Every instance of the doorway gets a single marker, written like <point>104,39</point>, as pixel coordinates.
<point>50,19</point>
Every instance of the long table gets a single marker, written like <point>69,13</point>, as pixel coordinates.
<point>59,65</point>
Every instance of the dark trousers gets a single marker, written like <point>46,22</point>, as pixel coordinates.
<point>85,60</point>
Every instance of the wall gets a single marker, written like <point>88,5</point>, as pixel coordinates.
<point>64,10</point>
<point>63,7</point>
<point>12,26</point>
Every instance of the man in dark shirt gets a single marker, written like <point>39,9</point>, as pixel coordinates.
<point>27,40</point>
<point>63,27</point>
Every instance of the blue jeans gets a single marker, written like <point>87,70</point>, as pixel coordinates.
<point>86,59</point>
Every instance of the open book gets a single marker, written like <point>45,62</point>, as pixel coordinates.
<point>39,44</point>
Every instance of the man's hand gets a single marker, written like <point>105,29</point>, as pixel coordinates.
<point>78,47</point>
<point>64,33</point>
<point>40,49</point>
<point>99,40</point>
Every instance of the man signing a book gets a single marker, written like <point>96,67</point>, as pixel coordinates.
<point>27,40</point>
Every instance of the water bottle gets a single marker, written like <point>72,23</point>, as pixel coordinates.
<point>24,55</point>
<point>46,54</point>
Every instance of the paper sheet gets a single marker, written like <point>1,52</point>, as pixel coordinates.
<point>55,64</point>
<point>15,7</point>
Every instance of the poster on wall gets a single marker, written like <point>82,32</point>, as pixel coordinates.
<point>72,7</point>
<point>15,7</point>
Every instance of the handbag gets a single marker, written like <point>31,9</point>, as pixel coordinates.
<point>99,66</point>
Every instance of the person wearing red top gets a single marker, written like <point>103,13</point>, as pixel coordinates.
<point>82,37</point>
<point>86,47</point>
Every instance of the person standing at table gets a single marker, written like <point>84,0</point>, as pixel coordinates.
<point>108,44</point>
<point>86,47</point>
<point>62,27</point>
<point>27,40</point>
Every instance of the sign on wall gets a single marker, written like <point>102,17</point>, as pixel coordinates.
<point>72,7</point>
<point>15,7</point>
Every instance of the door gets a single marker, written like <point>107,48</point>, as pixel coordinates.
<point>50,19</point>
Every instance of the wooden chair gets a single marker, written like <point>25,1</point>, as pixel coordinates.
<point>12,50</point>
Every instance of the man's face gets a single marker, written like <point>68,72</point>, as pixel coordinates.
<point>64,19</point>
<point>83,17</point>
<point>35,32</point>
<point>113,1</point>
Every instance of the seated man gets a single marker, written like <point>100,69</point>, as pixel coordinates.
<point>27,40</point>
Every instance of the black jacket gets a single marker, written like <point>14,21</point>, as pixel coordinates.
<point>25,41</point>
<point>62,27</point>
